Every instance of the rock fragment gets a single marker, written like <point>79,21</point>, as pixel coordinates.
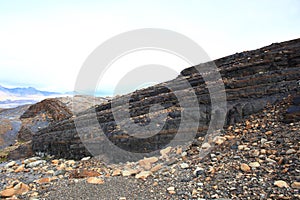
<point>20,188</point>
<point>171,190</point>
<point>245,167</point>
<point>296,185</point>
<point>291,151</point>
<point>281,184</point>
<point>95,180</point>
<point>143,174</point>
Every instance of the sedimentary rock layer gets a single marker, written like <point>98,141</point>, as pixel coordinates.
<point>251,80</point>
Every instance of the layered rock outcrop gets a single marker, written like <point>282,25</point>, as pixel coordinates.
<point>51,108</point>
<point>251,79</point>
<point>31,120</point>
<point>40,115</point>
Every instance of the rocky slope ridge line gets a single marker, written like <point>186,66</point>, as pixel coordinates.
<point>251,78</point>
<point>55,110</point>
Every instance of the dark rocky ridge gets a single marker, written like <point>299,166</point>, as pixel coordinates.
<point>251,78</point>
<point>55,110</point>
<point>40,115</point>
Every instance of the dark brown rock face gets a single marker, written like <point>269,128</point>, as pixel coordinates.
<point>251,79</point>
<point>51,107</point>
<point>40,115</point>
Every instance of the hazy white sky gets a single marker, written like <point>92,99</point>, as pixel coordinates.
<point>44,43</point>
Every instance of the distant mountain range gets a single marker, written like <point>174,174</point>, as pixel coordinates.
<point>13,97</point>
<point>26,91</point>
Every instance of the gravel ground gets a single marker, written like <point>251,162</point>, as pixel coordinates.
<point>114,188</point>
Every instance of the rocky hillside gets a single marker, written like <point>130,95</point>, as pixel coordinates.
<point>21,123</point>
<point>257,158</point>
<point>252,79</point>
<point>48,111</point>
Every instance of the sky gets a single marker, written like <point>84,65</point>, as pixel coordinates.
<point>43,44</point>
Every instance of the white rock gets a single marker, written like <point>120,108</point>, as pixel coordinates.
<point>291,151</point>
<point>200,184</point>
<point>184,165</point>
<point>171,188</point>
<point>184,154</point>
<point>10,164</point>
<point>86,158</point>
<point>36,163</point>
<point>263,141</point>
<point>205,146</point>
<point>254,164</point>
<point>29,160</point>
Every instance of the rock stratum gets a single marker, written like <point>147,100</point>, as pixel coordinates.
<point>252,79</point>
